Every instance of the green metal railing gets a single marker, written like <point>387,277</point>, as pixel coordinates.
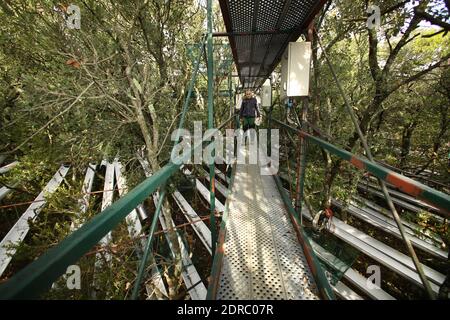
<point>381,181</point>
<point>405,184</point>
<point>38,276</point>
<point>436,198</point>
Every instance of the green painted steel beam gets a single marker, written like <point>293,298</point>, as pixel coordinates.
<point>210,58</point>
<point>148,245</point>
<point>405,184</point>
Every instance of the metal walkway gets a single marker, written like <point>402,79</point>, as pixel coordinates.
<point>262,256</point>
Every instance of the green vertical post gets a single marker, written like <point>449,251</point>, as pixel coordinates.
<point>148,245</point>
<point>302,164</point>
<point>269,123</point>
<point>211,124</point>
<point>230,92</point>
<point>269,132</point>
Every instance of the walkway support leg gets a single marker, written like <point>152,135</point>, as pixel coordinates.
<point>230,92</point>
<point>148,246</point>
<point>301,163</point>
<point>211,123</point>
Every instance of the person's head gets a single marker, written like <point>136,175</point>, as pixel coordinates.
<point>248,94</point>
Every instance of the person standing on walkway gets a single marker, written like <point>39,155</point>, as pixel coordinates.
<point>249,110</point>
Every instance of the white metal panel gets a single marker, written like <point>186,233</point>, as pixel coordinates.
<point>200,227</point>
<point>219,186</point>
<point>204,191</point>
<point>20,229</point>
<point>431,274</point>
<point>345,292</point>
<point>295,69</point>
<point>107,200</point>
<point>391,258</point>
<point>84,201</point>
<point>378,221</point>
<point>4,191</point>
<point>402,195</point>
<point>133,223</point>
<point>404,204</point>
<point>350,274</point>
<point>361,283</point>
<point>266,94</point>
<point>221,175</point>
<point>8,167</point>
<point>298,69</point>
<point>189,273</point>
<point>385,215</point>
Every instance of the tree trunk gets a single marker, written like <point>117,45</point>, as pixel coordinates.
<point>438,139</point>
<point>406,142</point>
<point>330,172</point>
<point>153,160</point>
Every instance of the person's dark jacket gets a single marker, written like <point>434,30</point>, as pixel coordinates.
<point>249,108</point>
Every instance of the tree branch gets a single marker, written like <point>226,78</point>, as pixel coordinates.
<point>420,74</point>
<point>403,42</point>
<point>53,119</point>
<point>432,19</point>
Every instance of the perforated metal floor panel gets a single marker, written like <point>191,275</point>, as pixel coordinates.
<point>262,256</point>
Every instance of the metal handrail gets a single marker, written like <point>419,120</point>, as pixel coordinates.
<point>39,275</point>
<point>405,184</point>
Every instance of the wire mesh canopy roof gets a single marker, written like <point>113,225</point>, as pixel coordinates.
<point>260,30</point>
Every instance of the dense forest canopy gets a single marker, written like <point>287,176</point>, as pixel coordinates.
<point>115,87</point>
